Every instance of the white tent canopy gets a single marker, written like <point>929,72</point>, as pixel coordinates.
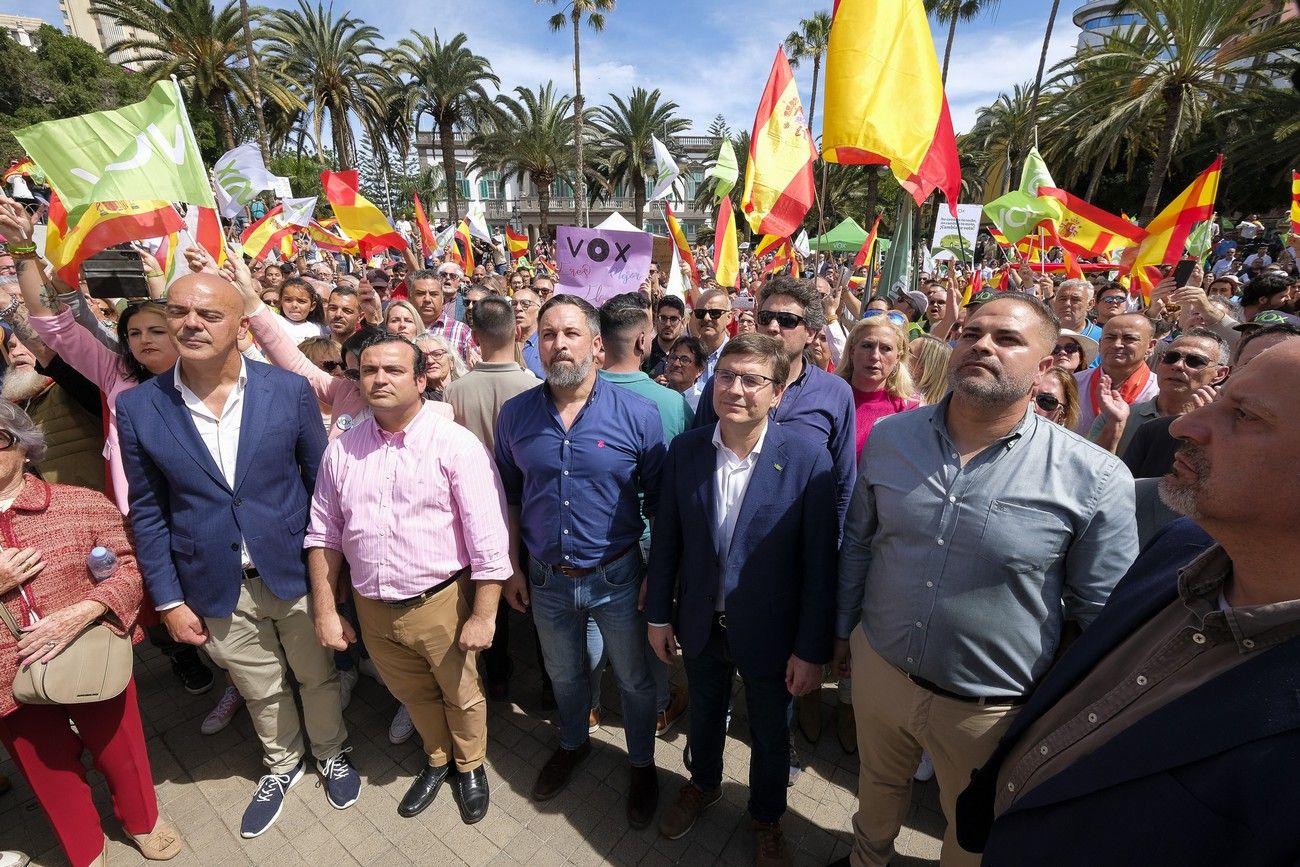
<point>618,223</point>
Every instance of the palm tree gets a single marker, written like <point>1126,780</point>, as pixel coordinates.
<point>255,79</point>
<point>1185,57</point>
<point>334,60</point>
<point>200,45</point>
<point>952,11</point>
<point>1042,60</point>
<point>810,41</point>
<point>531,136</point>
<point>625,155</point>
<point>706,193</point>
<point>1004,132</point>
<point>448,82</point>
<point>594,11</point>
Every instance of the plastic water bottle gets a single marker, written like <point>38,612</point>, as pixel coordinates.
<point>101,562</point>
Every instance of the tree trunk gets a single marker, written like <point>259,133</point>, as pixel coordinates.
<point>262,140</point>
<point>873,191</point>
<point>1042,62</point>
<point>318,129</point>
<point>812,102</point>
<point>544,208</point>
<point>947,48</point>
<point>217,104</point>
<point>342,138</point>
<point>1173,106</point>
<point>580,183</point>
<point>447,144</point>
<point>638,197</point>
<point>1098,169</point>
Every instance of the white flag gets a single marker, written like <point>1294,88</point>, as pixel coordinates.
<point>801,244</point>
<point>666,170</point>
<point>298,212</point>
<point>240,175</point>
<point>476,216</point>
<point>676,284</point>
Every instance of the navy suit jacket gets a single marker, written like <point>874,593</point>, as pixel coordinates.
<point>188,521</point>
<point>782,551</point>
<point>1208,779</point>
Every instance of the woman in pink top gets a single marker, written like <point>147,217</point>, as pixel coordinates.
<point>871,363</point>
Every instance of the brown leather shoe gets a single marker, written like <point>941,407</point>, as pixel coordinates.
<point>161,844</point>
<point>679,817</point>
<point>642,796</point>
<point>808,713</point>
<point>846,727</point>
<point>769,845</point>
<point>667,717</point>
<point>555,773</point>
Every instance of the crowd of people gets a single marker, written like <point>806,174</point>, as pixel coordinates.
<point>1020,537</point>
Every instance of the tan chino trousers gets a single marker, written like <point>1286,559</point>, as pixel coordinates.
<point>896,721</point>
<point>416,652</point>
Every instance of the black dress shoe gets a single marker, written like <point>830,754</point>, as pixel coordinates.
<point>554,775</point>
<point>470,789</point>
<point>423,790</point>
<point>642,796</point>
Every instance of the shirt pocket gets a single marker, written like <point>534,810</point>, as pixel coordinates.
<point>1022,539</point>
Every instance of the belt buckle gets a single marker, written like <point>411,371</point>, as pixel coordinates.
<point>722,619</point>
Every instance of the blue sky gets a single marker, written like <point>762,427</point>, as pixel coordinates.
<point>710,56</point>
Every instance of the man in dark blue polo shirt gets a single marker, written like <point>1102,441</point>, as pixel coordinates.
<point>577,456</point>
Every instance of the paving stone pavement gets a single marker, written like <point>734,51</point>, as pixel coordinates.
<point>204,783</point>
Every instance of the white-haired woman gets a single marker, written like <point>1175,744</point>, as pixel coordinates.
<point>445,365</point>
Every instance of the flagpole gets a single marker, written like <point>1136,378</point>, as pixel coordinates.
<point>189,131</point>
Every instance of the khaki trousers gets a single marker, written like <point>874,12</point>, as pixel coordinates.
<point>416,652</point>
<point>262,640</point>
<point>896,721</point>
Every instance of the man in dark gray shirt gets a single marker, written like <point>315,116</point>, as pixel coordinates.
<point>975,530</point>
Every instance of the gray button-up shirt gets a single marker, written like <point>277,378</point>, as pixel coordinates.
<point>963,575</point>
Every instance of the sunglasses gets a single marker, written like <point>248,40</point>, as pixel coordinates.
<point>1047,403</point>
<point>1193,361</point>
<point>785,320</point>
<point>331,365</point>
<point>352,373</point>
<point>1114,299</point>
<point>1067,349</point>
<point>715,315</point>
<point>893,315</point>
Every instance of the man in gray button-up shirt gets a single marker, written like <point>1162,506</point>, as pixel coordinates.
<point>976,529</point>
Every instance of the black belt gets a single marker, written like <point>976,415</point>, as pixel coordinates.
<point>251,572</point>
<point>431,592</point>
<point>582,572</point>
<point>984,701</point>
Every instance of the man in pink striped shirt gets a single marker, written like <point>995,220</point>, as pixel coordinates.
<point>426,600</point>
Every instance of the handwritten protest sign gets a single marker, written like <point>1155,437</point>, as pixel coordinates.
<point>597,264</point>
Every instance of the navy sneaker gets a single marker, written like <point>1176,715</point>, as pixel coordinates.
<point>268,801</point>
<point>342,782</point>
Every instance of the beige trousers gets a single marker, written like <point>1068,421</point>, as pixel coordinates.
<point>262,640</point>
<point>416,652</point>
<point>896,721</point>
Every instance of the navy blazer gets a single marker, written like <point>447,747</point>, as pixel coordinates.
<point>1208,779</point>
<point>782,550</point>
<point>188,522</point>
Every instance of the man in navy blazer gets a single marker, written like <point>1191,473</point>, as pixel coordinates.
<point>742,574</point>
<point>221,456</point>
<point>1169,733</point>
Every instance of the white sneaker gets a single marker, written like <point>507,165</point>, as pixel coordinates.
<point>925,770</point>
<point>230,702</point>
<point>13,859</point>
<point>347,681</point>
<point>367,667</point>
<point>402,728</point>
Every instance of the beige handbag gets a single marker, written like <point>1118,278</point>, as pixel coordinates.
<point>95,666</point>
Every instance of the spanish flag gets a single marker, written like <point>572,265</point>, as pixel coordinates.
<point>360,219</point>
<point>103,225</point>
<point>769,244</point>
<point>864,255</point>
<point>884,97</point>
<point>1295,203</point>
<point>462,250</point>
<point>23,168</point>
<point>517,244</point>
<point>422,221</point>
<point>1167,233</point>
<point>779,174</point>
<point>330,242</point>
<point>267,234</point>
<point>726,249</point>
<point>679,239</point>
<point>1087,230</point>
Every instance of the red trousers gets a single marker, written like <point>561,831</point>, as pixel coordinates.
<point>43,745</point>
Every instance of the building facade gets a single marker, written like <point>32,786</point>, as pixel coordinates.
<point>21,29</point>
<point>101,31</point>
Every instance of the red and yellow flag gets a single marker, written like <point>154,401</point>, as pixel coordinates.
<point>784,255</point>
<point>23,167</point>
<point>360,219</point>
<point>884,97</point>
<point>1295,203</point>
<point>679,239</point>
<point>864,255</point>
<point>103,225</point>
<point>1167,232</point>
<point>461,250</point>
<point>726,249</point>
<point>267,234</point>
<point>422,222</point>
<point>1087,230</point>
<point>205,227</point>
<point>327,240</point>
<point>779,174</point>
<point>769,244</point>
<point>516,244</point>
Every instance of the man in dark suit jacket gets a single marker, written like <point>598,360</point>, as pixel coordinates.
<point>1169,733</point>
<point>221,457</point>
<point>742,573</point>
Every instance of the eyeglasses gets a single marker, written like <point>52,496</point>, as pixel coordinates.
<point>525,305</point>
<point>1193,361</point>
<point>352,373</point>
<point>894,316</point>
<point>436,354</point>
<point>448,275</point>
<point>330,365</point>
<point>785,320</point>
<point>1047,403</point>
<point>725,379</point>
<point>669,320</point>
<point>1067,349</point>
<point>1114,299</point>
<point>713,314</point>
<point>543,291</point>
<point>683,360</point>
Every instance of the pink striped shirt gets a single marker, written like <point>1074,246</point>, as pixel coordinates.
<point>410,509</point>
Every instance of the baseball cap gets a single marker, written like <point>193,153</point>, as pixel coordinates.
<point>981,296</point>
<point>918,300</point>
<point>1269,317</point>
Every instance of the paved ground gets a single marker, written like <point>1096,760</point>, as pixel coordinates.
<point>205,782</point>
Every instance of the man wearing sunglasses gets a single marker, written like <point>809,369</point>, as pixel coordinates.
<point>1187,372</point>
<point>709,323</point>
<point>1112,300</point>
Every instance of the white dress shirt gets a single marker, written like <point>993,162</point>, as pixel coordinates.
<point>731,477</point>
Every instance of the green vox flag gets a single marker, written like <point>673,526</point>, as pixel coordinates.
<point>899,271</point>
<point>1020,211</point>
<point>725,169</point>
<point>144,151</point>
<point>1035,174</point>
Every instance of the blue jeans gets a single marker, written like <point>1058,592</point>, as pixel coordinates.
<point>708,681</point>
<point>561,606</point>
